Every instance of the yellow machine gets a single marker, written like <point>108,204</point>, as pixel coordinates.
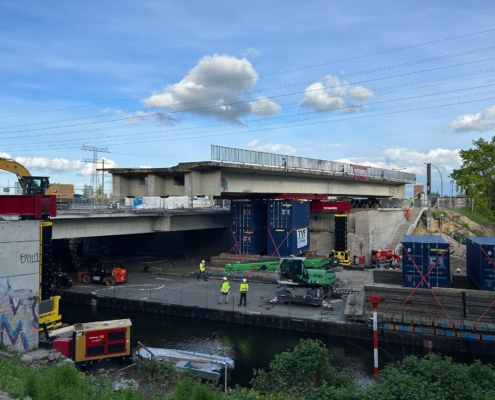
<point>39,184</point>
<point>49,314</point>
<point>92,342</point>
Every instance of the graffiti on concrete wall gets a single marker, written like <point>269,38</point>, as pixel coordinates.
<point>18,318</point>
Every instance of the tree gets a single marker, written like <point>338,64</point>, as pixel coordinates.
<point>305,373</point>
<point>434,378</point>
<point>477,173</point>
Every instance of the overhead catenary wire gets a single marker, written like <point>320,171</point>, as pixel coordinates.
<point>242,102</point>
<point>306,114</point>
<point>276,73</point>
<point>226,97</point>
<point>272,128</point>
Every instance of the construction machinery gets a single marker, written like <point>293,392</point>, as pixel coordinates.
<point>93,343</point>
<point>270,265</point>
<point>103,272</point>
<point>39,184</point>
<point>306,281</point>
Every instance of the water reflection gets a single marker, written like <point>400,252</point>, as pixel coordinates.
<point>251,347</point>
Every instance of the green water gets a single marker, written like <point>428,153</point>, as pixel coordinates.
<point>251,347</point>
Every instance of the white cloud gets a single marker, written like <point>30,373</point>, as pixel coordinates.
<point>413,161</point>
<point>263,107</point>
<point>4,155</point>
<point>331,95</point>
<point>49,164</point>
<point>252,52</point>
<point>271,147</point>
<point>479,122</point>
<point>142,117</point>
<point>216,88</point>
<point>88,168</point>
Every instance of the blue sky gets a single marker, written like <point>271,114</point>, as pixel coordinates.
<point>156,83</point>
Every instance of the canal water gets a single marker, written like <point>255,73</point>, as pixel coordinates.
<point>251,347</point>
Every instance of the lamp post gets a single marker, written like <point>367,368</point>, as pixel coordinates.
<point>452,192</point>
<point>441,179</point>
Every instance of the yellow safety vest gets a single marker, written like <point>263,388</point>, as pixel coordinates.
<point>244,288</point>
<point>201,267</point>
<point>225,287</point>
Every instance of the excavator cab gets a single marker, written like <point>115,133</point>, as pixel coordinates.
<point>34,184</point>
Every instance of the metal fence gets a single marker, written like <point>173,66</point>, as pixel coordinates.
<point>220,153</point>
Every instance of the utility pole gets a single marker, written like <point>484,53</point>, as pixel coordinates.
<point>102,177</point>
<point>428,195</point>
<point>94,161</point>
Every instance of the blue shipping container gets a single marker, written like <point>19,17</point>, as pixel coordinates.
<point>419,255</point>
<point>288,213</point>
<point>247,214</point>
<point>287,242</point>
<point>247,241</point>
<point>480,256</point>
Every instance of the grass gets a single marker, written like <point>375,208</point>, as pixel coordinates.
<point>476,217</point>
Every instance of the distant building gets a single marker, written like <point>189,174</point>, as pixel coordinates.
<point>418,188</point>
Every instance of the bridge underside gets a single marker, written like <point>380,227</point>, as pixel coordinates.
<point>210,178</point>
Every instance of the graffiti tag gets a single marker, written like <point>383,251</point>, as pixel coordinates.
<point>13,334</point>
<point>30,258</point>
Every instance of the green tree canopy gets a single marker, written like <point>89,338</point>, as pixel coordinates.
<point>434,378</point>
<point>305,373</point>
<point>477,173</point>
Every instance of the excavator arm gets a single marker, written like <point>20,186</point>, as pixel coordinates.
<point>14,167</point>
<point>30,184</point>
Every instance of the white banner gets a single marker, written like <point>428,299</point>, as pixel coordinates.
<point>302,237</point>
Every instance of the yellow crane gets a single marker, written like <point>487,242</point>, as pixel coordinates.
<point>39,184</point>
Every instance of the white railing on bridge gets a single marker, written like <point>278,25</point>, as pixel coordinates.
<point>220,153</point>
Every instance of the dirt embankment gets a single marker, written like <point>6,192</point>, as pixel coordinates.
<point>450,226</point>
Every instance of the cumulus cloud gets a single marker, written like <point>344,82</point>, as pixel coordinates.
<point>479,122</point>
<point>271,147</point>
<point>330,94</point>
<point>216,87</point>
<point>50,164</point>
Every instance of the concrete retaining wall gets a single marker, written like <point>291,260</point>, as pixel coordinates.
<point>349,330</point>
<point>19,254</point>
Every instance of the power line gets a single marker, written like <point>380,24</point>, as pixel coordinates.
<point>273,73</point>
<point>306,114</point>
<point>346,75</point>
<point>247,101</point>
<point>281,127</point>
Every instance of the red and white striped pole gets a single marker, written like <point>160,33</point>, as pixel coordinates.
<point>375,300</point>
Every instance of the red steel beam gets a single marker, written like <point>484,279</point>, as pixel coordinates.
<point>27,205</point>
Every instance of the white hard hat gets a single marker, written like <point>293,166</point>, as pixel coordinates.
<point>224,278</point>
<point>458,270</point>
<point>202,260</point>
<point>244,280</point>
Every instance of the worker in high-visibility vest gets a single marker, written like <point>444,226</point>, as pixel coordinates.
<point>202,270</point>
<point>224,290</point>
<point>243,289</point>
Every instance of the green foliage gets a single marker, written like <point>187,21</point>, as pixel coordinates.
<point>57,382</point>
<point>192,389</point>
<point>306,372</point>
<point>434,378</point>
<point>479,218</point>
<point>477,173</point>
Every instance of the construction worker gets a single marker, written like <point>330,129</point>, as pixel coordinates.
<point>458,270</point>
<point>202,270</point>
<point>225,290</point>
<point>243,289</point>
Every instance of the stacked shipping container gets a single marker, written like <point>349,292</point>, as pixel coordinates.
<point>480,258</point>
<point>419,255</point>
<point>248,227</point>
<point>288,227</point>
